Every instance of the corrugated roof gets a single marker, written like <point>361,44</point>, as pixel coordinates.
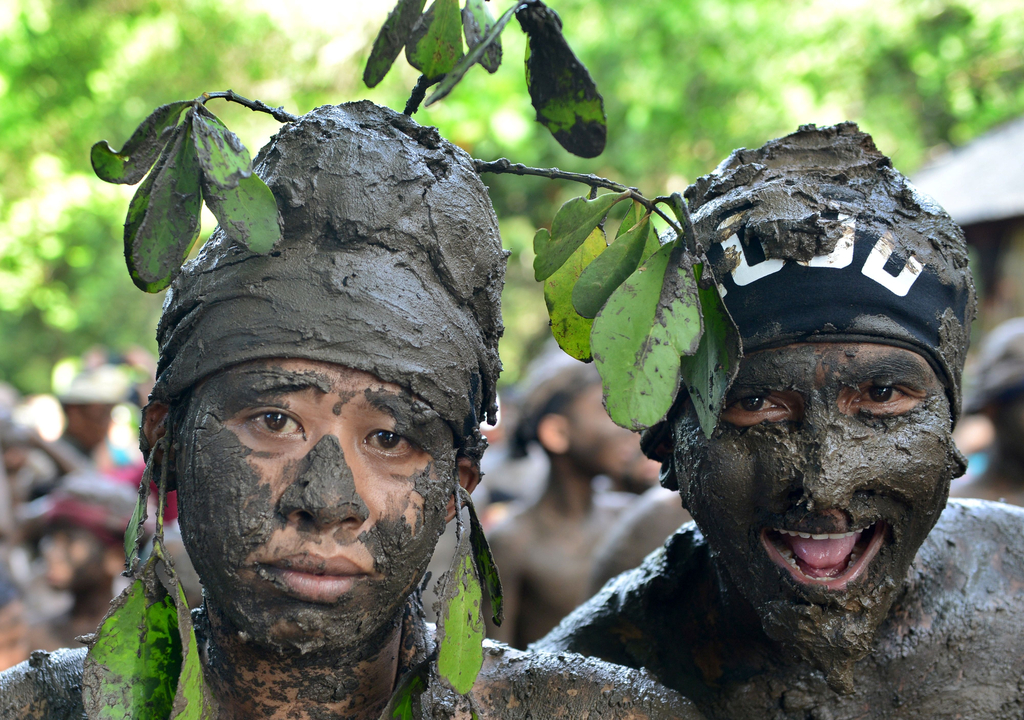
<point>983,180</point>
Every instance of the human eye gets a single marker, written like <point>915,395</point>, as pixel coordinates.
<point>757,407</point>
<point>886,399</point>
<point>277,423</point>
<point>387,441</point>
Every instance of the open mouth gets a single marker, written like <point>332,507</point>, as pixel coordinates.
<point>829,559</point>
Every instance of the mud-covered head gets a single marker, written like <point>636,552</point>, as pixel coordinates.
<point>815,237</point>
<point>391,263</point>
<point>833,455</point>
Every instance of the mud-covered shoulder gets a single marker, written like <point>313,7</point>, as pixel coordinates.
<point>47,686</point>
<point>617,623</point>
<point>515,684</point>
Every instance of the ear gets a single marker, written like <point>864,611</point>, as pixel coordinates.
<point>469,478</point>
<point>553,434</point>
<point>154,426</point>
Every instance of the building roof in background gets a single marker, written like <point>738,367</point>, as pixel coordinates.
<point>983,180</point>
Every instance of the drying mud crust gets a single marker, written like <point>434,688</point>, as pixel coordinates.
<point>826,577</point>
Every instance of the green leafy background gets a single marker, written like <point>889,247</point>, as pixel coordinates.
<point>694,81</point>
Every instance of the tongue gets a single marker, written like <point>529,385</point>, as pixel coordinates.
<point>822,554</point>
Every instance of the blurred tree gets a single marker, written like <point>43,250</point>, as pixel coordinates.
<point>684,82</point>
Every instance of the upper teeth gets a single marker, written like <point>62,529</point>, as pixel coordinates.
<point>818,536</point>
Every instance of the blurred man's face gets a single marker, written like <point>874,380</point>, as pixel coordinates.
<point>603,448</point>
<point>74,559</point>
<point>831,464</point>
<point>88,424</point>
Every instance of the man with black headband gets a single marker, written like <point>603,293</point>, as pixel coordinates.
<point>318,407</point>
<point>826,575</point>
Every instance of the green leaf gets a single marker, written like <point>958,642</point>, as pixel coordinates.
<point>571,331</point>
<point>648,323</point>
<point>248,214</point>
<point>163,217</point>
<point>710,371</point>
<point>562,91</point>
<point>476,52</point>
<point>405,701</point>
<point>131,670</point>
<point>222,156</point>
<point>391,39</point>
<point>477,22</point>
<point>133,161</point>
<point>460,627</point>
<point>435,42</point>
<point>193,700</point>
<point>572,224</point>
<point>133,533</point>
<point>607,272</point>
<point>485,564</point>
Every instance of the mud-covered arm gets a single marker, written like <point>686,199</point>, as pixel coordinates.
<point>514,685</point>
<point>47,686</point>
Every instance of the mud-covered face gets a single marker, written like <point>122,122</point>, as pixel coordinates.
<point>311,496</point>
<point>830,466</point>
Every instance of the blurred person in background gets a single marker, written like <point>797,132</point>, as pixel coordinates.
<point>998,395</point>
<point>545,549</point>
<point>13,631</point>
<point>80,527</point>
<point>87,405</point>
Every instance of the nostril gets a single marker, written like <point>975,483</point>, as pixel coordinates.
<point>303,521</point>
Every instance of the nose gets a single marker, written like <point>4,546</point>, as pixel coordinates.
<point>835,467</point>
<point>323,494</point>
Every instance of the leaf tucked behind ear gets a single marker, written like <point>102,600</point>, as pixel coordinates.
<point>435,42</point>
<point>222,156</point>
<point>562,91</point>
<point>163,217</point>
<point>571,225</point>
<point>391,40</point>
<point>601,277</point>
<point>247,214</point>
<point>460,627</point>
<point>572,331</point>
<point>484,560</point>
<point>133,161</point>
<point>709,372</point>
<point>648,323</point>
<point>131,670</point>
<point>478,51</point>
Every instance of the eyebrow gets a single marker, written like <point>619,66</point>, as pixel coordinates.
<point>273,381</point>
<point>894,366</point>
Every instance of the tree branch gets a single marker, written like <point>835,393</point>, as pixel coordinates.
<point>278,113</point>
<point>419,92</point>
<point>502,166</point>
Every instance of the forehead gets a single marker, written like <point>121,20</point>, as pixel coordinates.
<point>816,365</point>
<point>288,375</point>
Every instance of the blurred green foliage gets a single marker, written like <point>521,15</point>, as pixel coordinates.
<point>684,82</point>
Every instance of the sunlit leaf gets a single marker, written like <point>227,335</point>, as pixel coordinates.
<point>485,564</point>
<point>435,42</point>
<point>131,671</point>
<point>607,272</point>
<point>131,163</point>
<point>711,369</point>
<point>405,701</point>
<point>460,627</point>
<point>563,93</point>
<point>391,39</point>
<point>248,213</point>
<point>571,331</point>
<point>477,22</point>
<point>163,217</point>
<point>222,156</point>
<point>648,323</point>
<point>133,533</point>
<point>476,53</point>
<point>571,225</point>
<point>193,699</point>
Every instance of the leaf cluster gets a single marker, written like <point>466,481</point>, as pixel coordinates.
<point>561,89</point>
<point>639,308</point>
<point>184,154</point>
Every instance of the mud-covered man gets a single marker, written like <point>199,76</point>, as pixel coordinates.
<point>826,575</point>
<point>321,405</point>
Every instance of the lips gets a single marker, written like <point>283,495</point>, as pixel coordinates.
<point>315,578</point>
<point>829,559</point>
